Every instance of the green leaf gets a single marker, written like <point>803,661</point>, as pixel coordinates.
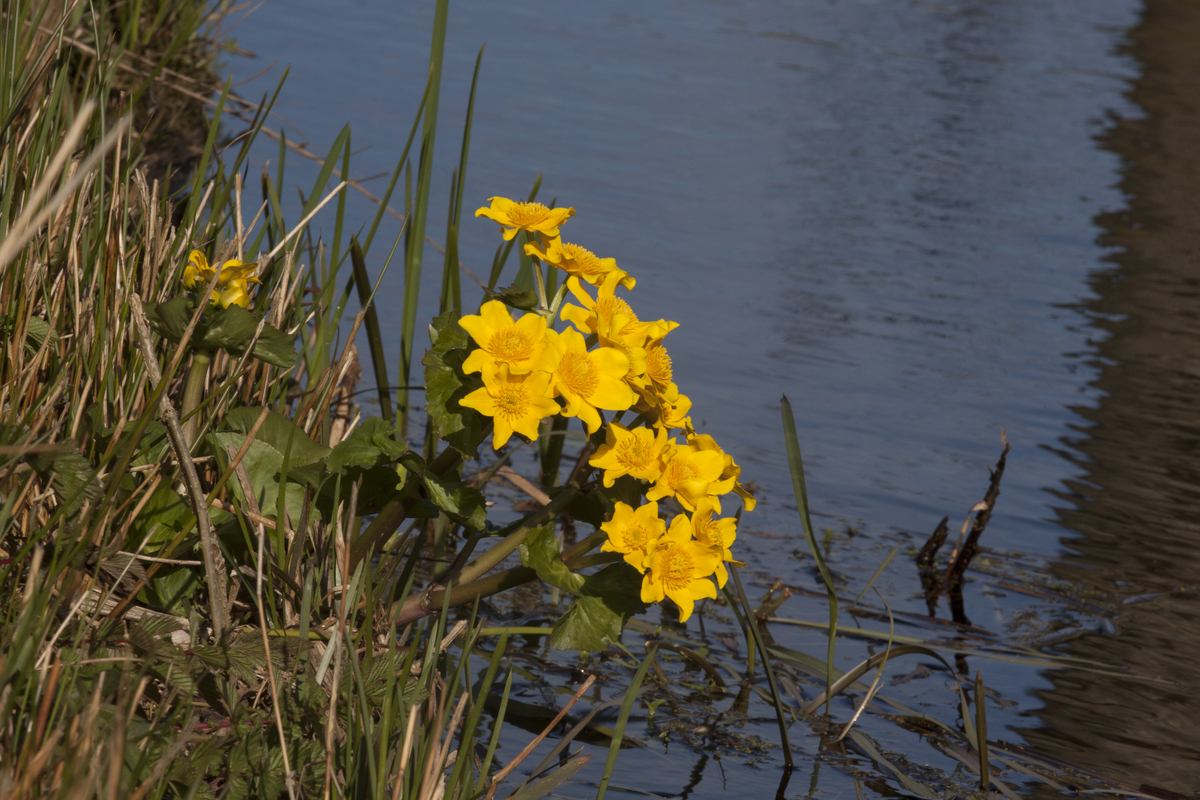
<point>233,329</point>
<point>170,319</point>
<point>514,297</point>
<point>36,333</point>
<point>446,384</point>
<point>548,784</point>
<point>540,553</point>
<point>462,503</point>
<point>276,430</point>
<point>371,443</point>
<point>603,605</point>
<point>159,521</point>
<point>229,329</point>
<point>263,465</point>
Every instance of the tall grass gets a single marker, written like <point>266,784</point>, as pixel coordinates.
<point>171,624</point>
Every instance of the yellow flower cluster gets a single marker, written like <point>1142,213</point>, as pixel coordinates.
<point>531,372</point>
<point>233,285</point>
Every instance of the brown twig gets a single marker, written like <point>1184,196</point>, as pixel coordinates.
<point>214,562</point>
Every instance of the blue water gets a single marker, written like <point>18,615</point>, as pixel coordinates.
<point>884,210</point>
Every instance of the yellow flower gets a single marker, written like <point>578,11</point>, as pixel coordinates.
<point>667,408</point>
<point>516,403</point>
<point>235,293</point>
<point>678,568</point>
<point>658,364</point>
<point>234,270</point>
<point>636,376</point>
<point>688,474</point>
<point>589,381</point>
<point>638,453</point>
<point>515,217</point>
<point>197,271</point>
<point>633,533</point>
<point>523,346</point>
<point>730,471</point>
<point>580,262</point>
<point>233,284</point>
<point>715,534</point>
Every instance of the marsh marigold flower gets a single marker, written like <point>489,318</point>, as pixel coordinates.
<point>665,409</point>
<point>580,262</point>
<point>730,471</point>
<point>233,284</point>
<point>533,217</point>
<point>678,568</point>
<point>688,476</point>
<point>633,533</point>
<point>637,452</point>
<point>590,381</point>
<point>715,534</point>
<point>522,346</point>
<point>601,315</point>
<point>516,403</point>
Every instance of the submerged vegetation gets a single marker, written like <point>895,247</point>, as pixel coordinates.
<point>221,580</point>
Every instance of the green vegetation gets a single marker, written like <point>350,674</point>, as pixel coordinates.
<point>216,576</point>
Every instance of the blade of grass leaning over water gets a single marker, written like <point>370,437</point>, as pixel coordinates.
<point>796,466</point>
<point>623,718</point>
<point>420,208</point>
<point>752,624</point>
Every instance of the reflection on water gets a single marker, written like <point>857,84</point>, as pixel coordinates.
<point>880,208</point>
<point>1134,514</point>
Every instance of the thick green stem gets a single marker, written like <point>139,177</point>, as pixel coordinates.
<point>192,392</point>
<point>392,515</point>
<point>426,603</point>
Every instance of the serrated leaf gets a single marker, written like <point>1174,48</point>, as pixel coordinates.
<point>462,503</point>
<point>600,609</point>
<point>446,384</point>
<point>276,431</point>
<point>540,552</point>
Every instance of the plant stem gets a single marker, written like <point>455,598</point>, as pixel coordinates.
<point>192,392</point>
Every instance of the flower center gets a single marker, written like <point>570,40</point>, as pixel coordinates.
<point>608,306</point>
<point>658,364</point>
<point>636,536</point>
<point>511,345</point>
<point>585,260</point>
<point>528,213</point>
<point>511,402</point>
<point>577,372</point>
<point>681,469</point>
<point>704,534</point>
<point>677,568</point>
<point>633,454</point>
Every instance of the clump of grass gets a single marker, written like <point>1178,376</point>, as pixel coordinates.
<point>173,622</point>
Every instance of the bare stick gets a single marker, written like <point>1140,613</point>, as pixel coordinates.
<point>214,562</point>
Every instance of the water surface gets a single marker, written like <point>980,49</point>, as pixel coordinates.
<point>926,223</point>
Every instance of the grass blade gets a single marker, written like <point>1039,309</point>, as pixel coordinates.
<point>623,718</point>
<point>752,624</point>
<point>796,465</point>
